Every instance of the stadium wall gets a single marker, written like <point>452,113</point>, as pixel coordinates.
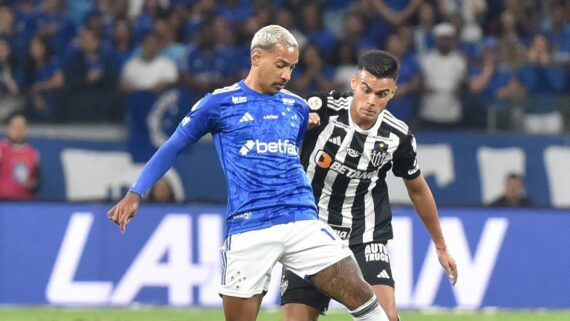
<point>70,254</point>
<point>462,169</point>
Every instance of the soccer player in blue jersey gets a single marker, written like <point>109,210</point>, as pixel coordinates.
<point>257,128</point>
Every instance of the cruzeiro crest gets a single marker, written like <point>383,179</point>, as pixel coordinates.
<point>378,153</point>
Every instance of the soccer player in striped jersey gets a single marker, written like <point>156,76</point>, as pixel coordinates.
<point>353,142</point>
<point>257,128</point>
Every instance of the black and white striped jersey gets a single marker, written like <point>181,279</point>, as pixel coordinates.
<point>347,167</point>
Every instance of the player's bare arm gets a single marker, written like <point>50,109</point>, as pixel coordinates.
<point>124,210</point>
<point>423,201</point>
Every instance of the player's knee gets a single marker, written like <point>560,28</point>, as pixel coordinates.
<point>358,292</point>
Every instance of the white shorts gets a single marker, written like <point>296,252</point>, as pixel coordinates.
<point>304,247</point>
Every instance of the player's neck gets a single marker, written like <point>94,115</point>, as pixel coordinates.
<point>251,82</point>
<point>361,123</point>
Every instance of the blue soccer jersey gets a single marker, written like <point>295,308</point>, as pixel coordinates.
<point>257,137</point>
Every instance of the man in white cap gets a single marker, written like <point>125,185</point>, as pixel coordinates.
<point>444,70</point>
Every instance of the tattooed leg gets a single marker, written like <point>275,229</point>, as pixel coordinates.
<point>343,282</point>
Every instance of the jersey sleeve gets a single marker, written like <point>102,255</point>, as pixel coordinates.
<point>326,104</point>
<point>159,163</point>
<point>405,161</point>
<point>304,124</point>
<point>318,103</point>
<point>201,119</point>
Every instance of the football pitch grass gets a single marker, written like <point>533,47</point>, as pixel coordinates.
<point>166,314</point>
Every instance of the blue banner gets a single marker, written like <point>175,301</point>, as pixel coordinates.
<point>462,169</point>
<point>152,118</point>
<point>69,254</point>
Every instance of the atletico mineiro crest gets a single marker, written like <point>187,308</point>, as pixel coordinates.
<point>378,153</point>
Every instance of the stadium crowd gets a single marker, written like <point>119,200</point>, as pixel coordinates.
<point>465,64</point>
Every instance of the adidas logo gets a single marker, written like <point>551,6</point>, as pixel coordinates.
<point>246,117</point>
<point>383,275</point>
<point>336,140</point>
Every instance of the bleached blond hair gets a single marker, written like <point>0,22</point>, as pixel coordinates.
<point>267,37</point>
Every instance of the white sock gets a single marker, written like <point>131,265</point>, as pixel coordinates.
<point>369,311</point>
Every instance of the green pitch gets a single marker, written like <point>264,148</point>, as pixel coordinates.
<point>157,314</point>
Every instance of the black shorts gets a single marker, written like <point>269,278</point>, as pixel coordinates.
<point>373,261</point>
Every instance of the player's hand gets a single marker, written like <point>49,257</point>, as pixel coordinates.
<point>314,120</point>
<point>448,264</point>
<point>125,210</point>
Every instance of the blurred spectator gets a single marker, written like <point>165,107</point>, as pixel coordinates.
<point>263,15</point>
<point>317,33</point>
<point>201,10</point>
<point>206,65</point>
<point>53,24</point>
<point>346,61</point>
<point>312,73</point>
<point>160,73</point>
<point>104,14</point>
<point>444,70</point>
<point>557,30</point>
<point>116,9</point>
<point>161,192</point>
<point>122,43</point>
<point>15,32</point>
<point>521,15</point>
<point>544,81</point>
<point>43,81</point>
<point>77,10</point>
<point>26,15</point>
<point>471,48</point>
<point>227,45</point>
<point>177,19</point>
<point>7,22</point>
<point>286,19</point>
<point>94,22</point>
<point>167,36</point>
<point>424,38</point>
<point>235,10</point>
<point>514,195</point>
<point>10,99</point>
<point>91,81</point>
<point>148,98</point>
<point>406,35</point>
<point>334,11</point>
<point>492,86</point>
<point>19,162</point>
<point>152,9</point>
<point>404,105</point>
<point>384,16</point>
<point>512,44</point>
<point>294,5</point>
<point>471,13</point>
<point>353,33</point>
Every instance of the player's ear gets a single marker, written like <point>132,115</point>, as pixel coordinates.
<point>353,83</point>
<point>256,55</point>
<point>394,92</point>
